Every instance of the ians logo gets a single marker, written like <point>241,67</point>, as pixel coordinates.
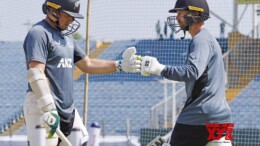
<point>65,63</point>
<point>77,3</point>
<point>216,131</point>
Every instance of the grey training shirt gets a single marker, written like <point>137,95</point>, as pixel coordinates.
<point>204,77</point>
<point>45,44</point>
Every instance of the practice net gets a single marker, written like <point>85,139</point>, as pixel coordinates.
<point>131,105</point>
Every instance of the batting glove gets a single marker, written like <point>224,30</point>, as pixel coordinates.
<point>150,65</point>
<point>131,63</point>
<point>51,122</point>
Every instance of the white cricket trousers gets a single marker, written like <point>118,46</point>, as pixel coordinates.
<point>33,115</point>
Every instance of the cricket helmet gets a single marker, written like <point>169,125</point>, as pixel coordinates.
<point>198,10</point>
<point>71,7</point>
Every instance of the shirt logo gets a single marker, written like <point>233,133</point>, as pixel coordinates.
<point>65,63</point>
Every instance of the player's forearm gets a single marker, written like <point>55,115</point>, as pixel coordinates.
<point>97,66</point>
<point>130,63</point>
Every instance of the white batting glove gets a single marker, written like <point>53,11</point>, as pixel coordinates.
<point>131,63</point>
<point>51,121</point>
<point>150,65</point>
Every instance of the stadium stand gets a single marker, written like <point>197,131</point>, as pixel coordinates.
<point>12,90</point>
<point>246,117</point>
<point>246,110</point>
<point>243,60</point>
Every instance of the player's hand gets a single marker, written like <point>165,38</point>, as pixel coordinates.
<point>130,63</point>
<point>150,65</point>
<point>51,121</point>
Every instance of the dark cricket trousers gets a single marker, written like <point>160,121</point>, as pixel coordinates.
<point>189,135</point>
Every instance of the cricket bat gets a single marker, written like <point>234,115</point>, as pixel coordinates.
<point>63,137</point>
<point>160,140</point>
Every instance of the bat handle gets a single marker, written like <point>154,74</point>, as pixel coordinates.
<point>63,137</point>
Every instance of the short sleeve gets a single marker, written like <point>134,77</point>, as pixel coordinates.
<point>78,53</point>
<point>36,46</point>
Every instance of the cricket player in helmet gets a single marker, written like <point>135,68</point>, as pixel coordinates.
<point>204,77</point>
<point>53,9</point>
<point>196,11</point>
<point>51,55</point>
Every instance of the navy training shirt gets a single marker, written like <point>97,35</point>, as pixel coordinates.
<point>45,44</point>
<point>204,77</point>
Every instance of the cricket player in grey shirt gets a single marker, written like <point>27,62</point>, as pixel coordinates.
<point>203,74</point>
<point>50,57</point>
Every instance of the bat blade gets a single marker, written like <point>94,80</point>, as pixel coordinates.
<point>63,137</point>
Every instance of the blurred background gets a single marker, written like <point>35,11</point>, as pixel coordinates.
<point>132,109</point>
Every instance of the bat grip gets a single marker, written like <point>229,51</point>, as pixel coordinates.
<point>63,137</point>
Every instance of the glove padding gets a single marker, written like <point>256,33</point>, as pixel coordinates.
<point>150,65</point>
<point>51,121</point>
<point>131,63</point>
